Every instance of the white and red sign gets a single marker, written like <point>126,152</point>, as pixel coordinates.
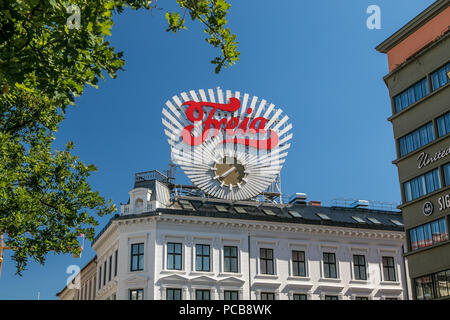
<point>230,146</point>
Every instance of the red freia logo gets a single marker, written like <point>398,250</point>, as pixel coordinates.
<point>252,129</point>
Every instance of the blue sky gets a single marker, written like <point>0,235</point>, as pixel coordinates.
<point>314,59</point>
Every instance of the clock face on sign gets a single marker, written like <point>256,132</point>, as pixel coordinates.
<point>230,174</point>
<point>231,146</point>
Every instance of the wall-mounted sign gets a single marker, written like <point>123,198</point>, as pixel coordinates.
<point>425,159</point>
<point>428,208</point>
<point>444,202</point>
<point>231,146</point>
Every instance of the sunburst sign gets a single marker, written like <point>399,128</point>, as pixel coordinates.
<point>231,146</point>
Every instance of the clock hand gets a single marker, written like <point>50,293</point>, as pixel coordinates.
<point>228,172</point>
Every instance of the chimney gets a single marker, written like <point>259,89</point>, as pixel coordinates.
<point>314,203</point>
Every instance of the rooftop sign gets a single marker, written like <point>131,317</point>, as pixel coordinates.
<point>230,146</point>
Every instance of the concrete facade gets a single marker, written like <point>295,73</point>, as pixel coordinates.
<point>415,53</point>
<point>155,228</point>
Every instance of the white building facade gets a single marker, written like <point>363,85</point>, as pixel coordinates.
<point>194,248</point>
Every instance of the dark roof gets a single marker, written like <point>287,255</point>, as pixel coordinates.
<point>338,216</point>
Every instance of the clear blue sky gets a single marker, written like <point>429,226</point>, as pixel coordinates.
<point>314,59</point>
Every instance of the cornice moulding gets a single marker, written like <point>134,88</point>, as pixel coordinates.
<point>254,225</point>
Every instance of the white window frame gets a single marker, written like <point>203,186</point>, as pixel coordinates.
<point>173,239</point>
<point>230,243</point>
<point>136,239</point>
<point>330,249</point>
<point>205,241</point>
<point>298,247</point>
<point>261,244</point>
<point>360,252</point>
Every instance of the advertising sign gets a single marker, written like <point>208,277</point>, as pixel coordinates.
<point>231,146</point>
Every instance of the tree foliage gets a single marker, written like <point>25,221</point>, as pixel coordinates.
<point>45,197</point>
<point>212,13</point>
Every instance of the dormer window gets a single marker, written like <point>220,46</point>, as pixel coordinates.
<point>139,203</point>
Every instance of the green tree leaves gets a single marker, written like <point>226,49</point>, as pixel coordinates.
<point>45,197</point>
<point>212,14</point>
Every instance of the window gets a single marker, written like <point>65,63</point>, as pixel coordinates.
<point>230,259</point>
<point>136,294</point>
<point>240,210</point>
<point>137,257</point>
<point>331,297</point>
<point>411,95</point>
<point>323,216</point>
<point>115,262</point>
<point>104,273</point>
<point>298,296</point>
<point>440,78</point>
<point>269,212</point>
<point>295,214</point>
<point>230,295</point>
<point>222,209</point>
<point>99,277</point>
<point>422,185</point>
<point>358,219</point>
<point>446,169</point>
<point>298,263</point>
<point>441,282</point>
<point>110,268</point>
<point>388,269</point>
<point>428,234</point>
<point>424,288</point>
<point>202,295</point>
<point>139,204</point>
<point>202,254</point>
<point>186,205</point>
<point>374,220</point>
<point>416,139</point>
<point>329,265</point>
<point>396,222</point>
<point>443,124</point>
<point>266,259</point>
<point>267,296</point>
<point>174,256</point>
<point>359,265</point>
<point>362,298</point>
<point>173,294</point>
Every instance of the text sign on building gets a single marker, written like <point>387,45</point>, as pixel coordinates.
<point>425,159</point>
<point>231,146</point>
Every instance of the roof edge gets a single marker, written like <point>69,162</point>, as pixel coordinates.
<point>425,16</point>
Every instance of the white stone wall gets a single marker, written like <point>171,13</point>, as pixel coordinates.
<point>156,231</point>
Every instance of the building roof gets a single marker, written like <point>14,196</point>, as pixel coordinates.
<point>285,213</point>
<point>413,25</point>
<point>93,260</point>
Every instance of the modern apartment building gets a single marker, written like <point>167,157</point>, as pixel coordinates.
<point>165,245</point>
<point>419,88</point>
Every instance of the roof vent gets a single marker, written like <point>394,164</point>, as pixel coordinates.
<point>299,198</point>
<point>360,204</point>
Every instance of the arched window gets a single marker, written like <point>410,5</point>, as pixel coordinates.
<point>139,203</point>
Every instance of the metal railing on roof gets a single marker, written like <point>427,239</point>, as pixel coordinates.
<point>372,204</point>
<point>192,191</point>
<point>150,175</point>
